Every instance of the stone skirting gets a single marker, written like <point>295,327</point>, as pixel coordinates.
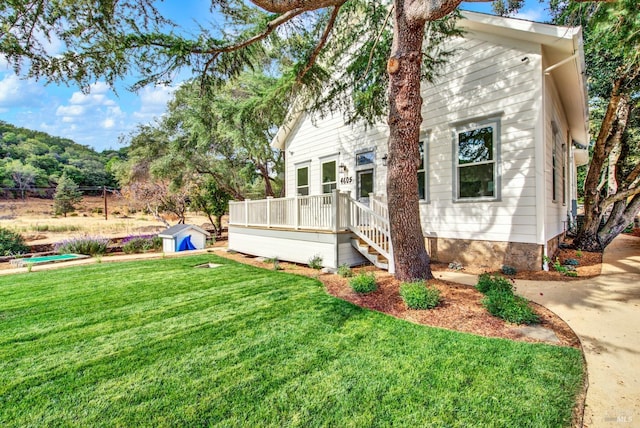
<point>490,255</point>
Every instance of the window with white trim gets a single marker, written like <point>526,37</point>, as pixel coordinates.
<point>302,181</point>
<point>329,176</point>
<point>422,170</point>
<point>476,167</point>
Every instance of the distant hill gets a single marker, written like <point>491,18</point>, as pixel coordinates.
<point>32,160</point>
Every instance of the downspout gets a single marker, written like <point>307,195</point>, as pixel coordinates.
<point>540,164</point>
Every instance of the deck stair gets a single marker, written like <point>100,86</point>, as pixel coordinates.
<point>372,235</point>
<point>370,253</point>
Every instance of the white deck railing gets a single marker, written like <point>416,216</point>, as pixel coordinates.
<point>331,212</point>
<point>318,212</point>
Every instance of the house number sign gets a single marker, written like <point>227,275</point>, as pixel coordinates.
<point>346,180</point>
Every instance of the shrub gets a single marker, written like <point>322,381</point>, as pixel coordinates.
<point>11,243</point>
<point>141,244</point>
<point>345,271</point>
<point>456,266</point>
<point>509,270</point>
<point>363,283</point>
<point>579,253</point>
<point>90,246</point>
<point>509,307</point>
<point>419,295</point>
<point>571,262</point>
<point>275,261</point>
<point>315,262</point>
<point>487,283</point>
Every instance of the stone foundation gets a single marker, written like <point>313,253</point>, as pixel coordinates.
<point>553,245</point>
<point>489,255</point>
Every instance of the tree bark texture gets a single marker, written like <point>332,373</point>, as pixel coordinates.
<point>591,236</point>
<point>410,255</point>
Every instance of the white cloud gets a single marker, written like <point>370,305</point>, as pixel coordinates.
<point>108,123</point>
<point>72,110</point>
<point>16,92</point>
<point>535,15</point>
<point>153,102</point>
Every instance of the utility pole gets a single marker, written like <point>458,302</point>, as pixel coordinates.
<point>104,195</point>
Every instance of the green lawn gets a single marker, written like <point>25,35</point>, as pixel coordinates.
<point>159,343</point>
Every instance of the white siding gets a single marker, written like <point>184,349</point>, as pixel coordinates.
<point>295,246</point>
<point>486,78</point>
<point>556,210</point>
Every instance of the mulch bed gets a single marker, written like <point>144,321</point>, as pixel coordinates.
<point>460,308</point>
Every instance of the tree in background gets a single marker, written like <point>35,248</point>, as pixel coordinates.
<point>53,156</point>
<point>66,197</point>
<point>612,182</point>
<point>144,177</point>
<point>23,176</point>
<point>209,199</point>
<point>225,132</point>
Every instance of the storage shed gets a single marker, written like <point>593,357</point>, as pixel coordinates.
<point>178,237</point>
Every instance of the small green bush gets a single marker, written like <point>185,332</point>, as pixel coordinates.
<point>488,283</point>
<point>456,266</point>
<point>571,262</point>
<point>315,262</point>
<point>275,261</point>
<point>509,270</point>
<point>363,283</point>
<point>11,243</point>
<point>345,271</point>
<point>509,307</point>
<point>89,246</point>
<point>419,295</point>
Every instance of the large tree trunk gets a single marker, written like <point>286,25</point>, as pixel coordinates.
<point>596,198</point>
<point>622,215</point>
<point>410,255</point>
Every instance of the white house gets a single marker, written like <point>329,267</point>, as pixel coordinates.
<point>504,128</point>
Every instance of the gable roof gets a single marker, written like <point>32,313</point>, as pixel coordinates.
<point>176,230</point>
<point>562,47</point>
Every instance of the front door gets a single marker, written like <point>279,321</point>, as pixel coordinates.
<point>364,180</point>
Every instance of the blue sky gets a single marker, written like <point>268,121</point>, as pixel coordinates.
<point>101,117</point>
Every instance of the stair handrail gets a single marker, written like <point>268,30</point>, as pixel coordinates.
<point>381,229</point>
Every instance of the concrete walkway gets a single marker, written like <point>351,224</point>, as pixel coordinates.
<point>605,313</point>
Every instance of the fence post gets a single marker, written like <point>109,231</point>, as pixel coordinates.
<point>335,202</point>
<point>296,214</point>
<point>246,212</point>
<point>269,211</point>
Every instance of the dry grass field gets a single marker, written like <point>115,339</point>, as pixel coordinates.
<point>34,219</point>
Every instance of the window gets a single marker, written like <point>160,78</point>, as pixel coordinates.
<point>365,158</point>
<point>558,168</point>
<point>302,183</point>
<point>422,171</point>
<point>329,176</point>
<point>476,170</point>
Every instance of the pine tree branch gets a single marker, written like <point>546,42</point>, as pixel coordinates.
<point>375,43</point>
<point>281,6</point>
<point>321,43</point>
